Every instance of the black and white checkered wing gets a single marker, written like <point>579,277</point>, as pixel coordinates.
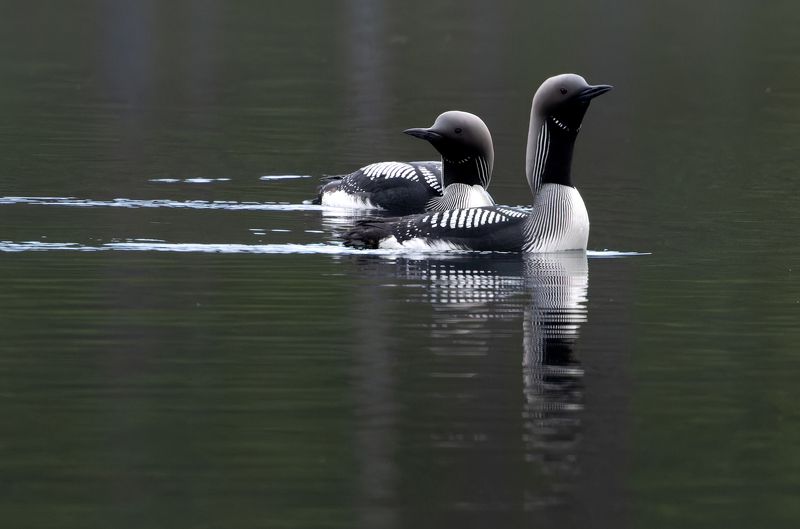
<point>482,229</point>
<point>378,176</point>
<point>400,187</point>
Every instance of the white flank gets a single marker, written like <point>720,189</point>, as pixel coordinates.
<point>342,199</point>
<point>419,244</point>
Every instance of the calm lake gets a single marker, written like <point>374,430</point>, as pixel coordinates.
<point>185,342</point>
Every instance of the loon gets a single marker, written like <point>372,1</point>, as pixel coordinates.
<point>558,219</point>
<point>458,181</point>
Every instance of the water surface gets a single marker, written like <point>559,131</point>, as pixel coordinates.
<point>185,343</point>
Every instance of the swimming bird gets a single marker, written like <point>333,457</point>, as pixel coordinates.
<point>558,219</point>
<point>458,181</point>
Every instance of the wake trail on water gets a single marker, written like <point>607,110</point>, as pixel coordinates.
<point>154,245</point>
<point>160,203</point>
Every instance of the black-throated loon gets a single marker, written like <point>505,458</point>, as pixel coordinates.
<point>558,220</point>
<point>458,181</point>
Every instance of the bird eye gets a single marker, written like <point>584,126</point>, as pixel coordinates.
<point>563,90</point>
<point>458,130</point>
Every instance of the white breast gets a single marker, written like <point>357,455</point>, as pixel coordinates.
<point>478,197</point>
<point>460,196</point>
<point>559,221</point>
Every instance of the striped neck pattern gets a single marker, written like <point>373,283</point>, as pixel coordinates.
<point>472,170</point>
<point>550,154</point>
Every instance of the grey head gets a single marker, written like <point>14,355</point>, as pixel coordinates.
<point>464,142</point>
<point>564,99</point>
<point>557,112</point>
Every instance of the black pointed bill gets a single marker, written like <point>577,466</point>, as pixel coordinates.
<point>591,92</point>
<point>425,134</point>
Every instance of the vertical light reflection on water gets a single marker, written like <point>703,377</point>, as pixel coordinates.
<point>128,55</point>
<point>375,408</point>
<point>367,64</point>
<point>201,44</point>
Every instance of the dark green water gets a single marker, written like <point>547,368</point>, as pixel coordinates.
<point>184,344</point>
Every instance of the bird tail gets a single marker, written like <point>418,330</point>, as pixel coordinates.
<point>368,233</point>
<point>327,183</point>
<point>324,179</point>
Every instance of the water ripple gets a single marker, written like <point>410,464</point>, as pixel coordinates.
<point>195,180</point>
<point>284,176</point>
<point>159,203</point>
<point>148,246</point>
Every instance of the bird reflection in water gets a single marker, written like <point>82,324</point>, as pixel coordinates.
<point>548,294</point>
<point>552,376</point>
